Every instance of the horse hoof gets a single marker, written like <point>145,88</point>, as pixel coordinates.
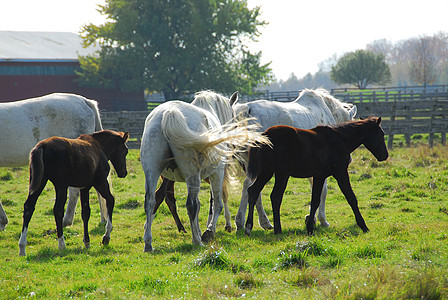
<point>181,229</point>
<point>207,236</point>
<point>248,231</point>
<point>228,228</point>
<point>22,251</point>
<point>67,223</point>
<point>87,245</point>
<point>307,217</point>
<point>148,247</point>
<point>324,224</point>
<point>106,240</point>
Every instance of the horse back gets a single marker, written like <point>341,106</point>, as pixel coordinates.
<point>75,162</point>
<point>299,152</point>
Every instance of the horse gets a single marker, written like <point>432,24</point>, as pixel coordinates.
<point>221,108</point>
<point>310,109</point>
<point>319,153</point>
<point>82,162</point>
<point>184,142</point>
<point>25,123</point>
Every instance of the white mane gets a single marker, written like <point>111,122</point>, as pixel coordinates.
<point>341,111</point>
<point>214,103</point>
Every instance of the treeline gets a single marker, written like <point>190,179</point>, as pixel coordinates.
<point>415,61</point>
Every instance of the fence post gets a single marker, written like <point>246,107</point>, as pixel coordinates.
<point>390,142</point>
<point>407,136</point>
<point>431,126</point>
<point>443,131</point>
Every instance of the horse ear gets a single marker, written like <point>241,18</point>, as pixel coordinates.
<point>361,118</point>
<point>234,98</point>
<point>378,121</point>
<point>353,111</point>
<point>125,137</point>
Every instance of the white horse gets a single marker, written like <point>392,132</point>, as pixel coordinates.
<point>184,142</point>
<point>25,123</point>
<point>311,108</point>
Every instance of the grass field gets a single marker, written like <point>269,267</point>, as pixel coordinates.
<point>405,254</point>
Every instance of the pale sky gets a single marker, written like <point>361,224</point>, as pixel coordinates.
<point>300,34</point>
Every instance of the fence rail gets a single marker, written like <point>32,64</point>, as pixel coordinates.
<point>403,113</point>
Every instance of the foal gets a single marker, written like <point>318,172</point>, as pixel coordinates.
<point>319,153</point>
<point>81,162</point>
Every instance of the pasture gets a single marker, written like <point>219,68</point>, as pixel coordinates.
<point>404,202</point>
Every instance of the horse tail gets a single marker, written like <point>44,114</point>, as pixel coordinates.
<point>219,143</point>
<point>253,166</point>
<point>36,168</point>
<point>94,106</point>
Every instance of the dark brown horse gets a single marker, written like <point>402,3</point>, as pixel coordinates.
<point>81,162</point>
<point>319,153</point>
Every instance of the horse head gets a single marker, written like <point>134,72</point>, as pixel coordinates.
<point>118,157</point>
<point>375,142</point>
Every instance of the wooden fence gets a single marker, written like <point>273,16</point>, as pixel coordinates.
<point>415,112</point>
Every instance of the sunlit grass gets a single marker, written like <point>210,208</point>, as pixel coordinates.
<point>404,256</point>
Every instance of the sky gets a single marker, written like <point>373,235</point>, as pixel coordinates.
<point>299,36</point>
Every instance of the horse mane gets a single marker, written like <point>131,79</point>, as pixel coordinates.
<point>339,109</point>
<point>346,128</point>
<point>215,103</point>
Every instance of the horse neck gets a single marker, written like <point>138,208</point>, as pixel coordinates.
<point>104,143</point>
<point>352,134</point>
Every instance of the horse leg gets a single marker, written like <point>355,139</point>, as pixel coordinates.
<point>104,189</point>
<point>171,202</point>
<point>315,200</point>
<point>281,182</point>
<point>150,203</point>
<point>166,191</point>
<point>69,216</point>
<point>321,212</point>
<point>225,200</point>
<point>193,205</point>
<point>241,215</point>
<point>263,219</point>
<point>28,209</point>
<point>3,218</point>
<point>216,184</point>
<point>85,213</point>
<point>58,212</point>
<point>344,184</point>
<point>253,193</point>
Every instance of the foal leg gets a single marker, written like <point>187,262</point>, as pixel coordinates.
<point>253,194</point>
<point>166,191</point>
<point>28,209</point>
<point>58,211</point>
<point>321,212</point>
<point>315,200</point>
<point>263,219</point>
<point>344,184</point>
<point>276,200</point>
<point>85,212</point>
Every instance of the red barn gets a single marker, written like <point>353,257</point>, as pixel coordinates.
<point>34,64</point>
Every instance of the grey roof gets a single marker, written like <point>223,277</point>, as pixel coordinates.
<point>25,45</point>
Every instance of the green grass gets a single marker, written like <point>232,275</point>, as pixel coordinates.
<point>404,256</point>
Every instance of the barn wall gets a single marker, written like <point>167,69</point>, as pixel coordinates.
<point>23,80</point>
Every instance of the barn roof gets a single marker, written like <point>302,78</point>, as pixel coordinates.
<point>28,46</point>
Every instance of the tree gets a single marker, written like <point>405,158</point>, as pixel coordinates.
<point>361,68</point>
<point>175,46</point>
<point>423,69</point>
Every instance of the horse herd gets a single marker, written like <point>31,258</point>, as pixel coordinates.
<point>187,142</point>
